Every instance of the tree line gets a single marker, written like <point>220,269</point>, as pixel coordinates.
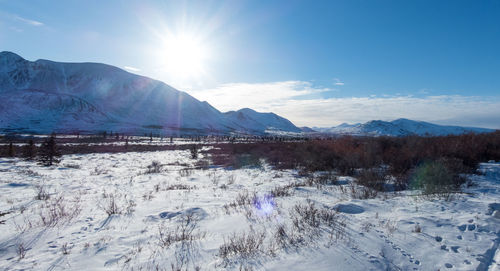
<point>46,154</point>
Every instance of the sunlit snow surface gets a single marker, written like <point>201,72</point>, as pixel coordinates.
<point>462,234</point>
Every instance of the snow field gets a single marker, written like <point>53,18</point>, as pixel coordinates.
<point>105,212</point>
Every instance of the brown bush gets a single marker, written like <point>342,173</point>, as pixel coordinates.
<point>347,155</point>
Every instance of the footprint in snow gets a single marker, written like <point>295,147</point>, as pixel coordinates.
<point>403,252</point>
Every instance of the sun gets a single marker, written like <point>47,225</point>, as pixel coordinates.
<point>184,55</point>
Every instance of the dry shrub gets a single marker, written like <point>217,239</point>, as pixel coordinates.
<point>372,178</point>
<point>362,192</point>
<point>154,167</point>
<point>179,187</point>
<point>21,250</point>
<point>281,191</point>
<point>57,210</point>
<point>346,155</point>
<point>116,204</point>
<point>193,149</point>
<point>41,192</point>
<point>186,172</point>
<point>244,245</point>
<point>242,202</point>
<point>309,220</point>
<point>183,232</point>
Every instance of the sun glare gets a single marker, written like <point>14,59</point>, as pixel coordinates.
<point>184,56</point>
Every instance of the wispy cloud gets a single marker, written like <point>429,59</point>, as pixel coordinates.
<point>265,96</point>
<point>282,98</point>
<point>28,21</point>
<point>132,69</point>
<point>338,82</point>
<point>450,110</point>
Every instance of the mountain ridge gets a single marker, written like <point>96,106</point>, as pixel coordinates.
<point>127,102</point>
<point>399,127</point>
<point>44,96</point>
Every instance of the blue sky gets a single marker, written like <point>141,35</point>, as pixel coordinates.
<point>318,63</point>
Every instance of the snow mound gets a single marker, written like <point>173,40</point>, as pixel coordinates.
<point>349,208</point>
<point>198,212</point>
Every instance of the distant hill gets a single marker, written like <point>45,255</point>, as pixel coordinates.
<point>251,121</point>
<point>306,129</point>
<point>44,96</point>
<point>399,127</point>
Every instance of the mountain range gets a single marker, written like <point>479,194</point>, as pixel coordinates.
<point>399,127</point>
<point>44,96</point>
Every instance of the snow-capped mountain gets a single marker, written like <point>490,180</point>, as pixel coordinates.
<point>306,129</point>
<point>251,119</point>
<point>44,96</point>
<point>399,127</point>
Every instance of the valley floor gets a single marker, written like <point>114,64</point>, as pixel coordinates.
<point>107,212</point>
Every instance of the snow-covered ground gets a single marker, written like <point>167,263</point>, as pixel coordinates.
<point>186,218</point>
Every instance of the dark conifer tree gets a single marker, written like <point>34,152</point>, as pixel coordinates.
<point>29,150</point>
<point>48,153</point>
<point>11,151</point>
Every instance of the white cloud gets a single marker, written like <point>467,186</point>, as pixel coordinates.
<point>132,69</point>
<point>338,82</point>
<point>28,21</point>
<point>265,96</point>
<point>289,99</point>
<point>451,110</point>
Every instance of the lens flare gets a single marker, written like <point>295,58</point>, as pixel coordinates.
<point>264,205</point>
